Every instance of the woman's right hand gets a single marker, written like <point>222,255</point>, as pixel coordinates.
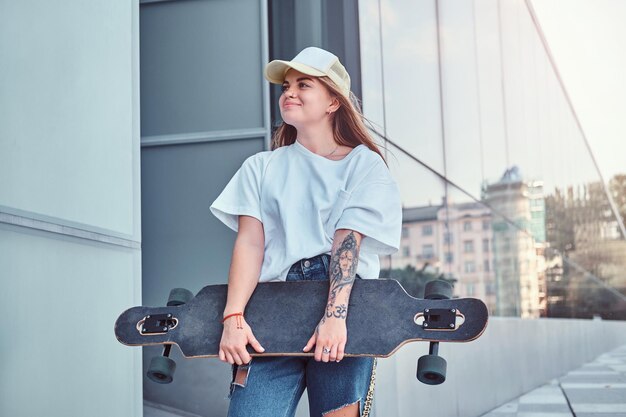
<point>234,340</point>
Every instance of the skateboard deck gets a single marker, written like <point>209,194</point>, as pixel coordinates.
<point>283,316</point>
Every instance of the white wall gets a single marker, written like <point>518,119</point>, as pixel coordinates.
<point>59,301</point>
<point>66,125</point>
<point>70,230</point>
<point>512,357</point>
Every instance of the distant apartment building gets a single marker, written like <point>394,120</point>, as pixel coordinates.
<point>518,244</point>
<point>494,250</point>
<point>453,239</point>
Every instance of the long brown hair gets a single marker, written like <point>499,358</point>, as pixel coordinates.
<point>347,123</point>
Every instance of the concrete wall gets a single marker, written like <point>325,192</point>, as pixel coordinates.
<point>70,230</point>
<point>512,357</point>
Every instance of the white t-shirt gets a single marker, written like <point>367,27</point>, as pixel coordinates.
<point>302,198</point>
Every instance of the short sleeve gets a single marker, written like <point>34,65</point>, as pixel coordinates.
<point>242,194</point>
<point>374,209</point>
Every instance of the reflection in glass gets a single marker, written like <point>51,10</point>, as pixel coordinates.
<point>517,215</point>
<point>421,252</point>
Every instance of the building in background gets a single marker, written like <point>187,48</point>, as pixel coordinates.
<point>518,253</point>
<point>453,240</point>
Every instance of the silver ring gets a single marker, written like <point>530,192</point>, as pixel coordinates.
<point>326,350</point>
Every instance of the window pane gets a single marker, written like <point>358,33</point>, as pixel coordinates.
<point>193,77</point>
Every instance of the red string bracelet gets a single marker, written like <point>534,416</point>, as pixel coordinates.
<point>239,315</point>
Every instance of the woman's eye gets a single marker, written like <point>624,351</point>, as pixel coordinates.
<point>284,87</point>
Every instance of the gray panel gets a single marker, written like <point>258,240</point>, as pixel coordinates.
<point>184,245</point>
<point>200,66</point>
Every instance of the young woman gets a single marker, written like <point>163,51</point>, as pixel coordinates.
<point>320,206</point>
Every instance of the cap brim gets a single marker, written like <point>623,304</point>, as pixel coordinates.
<point>276,70</point>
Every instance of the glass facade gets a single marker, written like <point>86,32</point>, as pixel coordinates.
<point>480,134</point>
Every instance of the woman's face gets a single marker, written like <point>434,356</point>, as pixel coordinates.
<point>304,100</point>
<point>345,262</point>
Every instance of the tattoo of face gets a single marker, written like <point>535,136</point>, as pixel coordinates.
<point>343,265</point>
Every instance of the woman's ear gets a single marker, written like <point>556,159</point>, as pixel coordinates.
<point>334,106</point>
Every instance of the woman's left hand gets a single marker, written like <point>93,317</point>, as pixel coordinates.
<point>331,333</point>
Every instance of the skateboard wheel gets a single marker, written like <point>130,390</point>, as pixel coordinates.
<point>161,370</point>
<point>438,290</point>
<point>179,296</point>
<point>431,369</point>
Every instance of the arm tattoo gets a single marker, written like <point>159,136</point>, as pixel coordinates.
<point>343,265</point>
<point>340,311</point>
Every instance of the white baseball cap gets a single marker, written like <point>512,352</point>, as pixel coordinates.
<point>311,61</point>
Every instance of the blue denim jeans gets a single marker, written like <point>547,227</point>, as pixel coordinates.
<point>273,385</point>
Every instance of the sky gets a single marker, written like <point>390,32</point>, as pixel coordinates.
<point>588,42</point>
<point>535,130</point>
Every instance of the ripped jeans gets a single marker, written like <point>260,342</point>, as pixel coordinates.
<point>272,387</point>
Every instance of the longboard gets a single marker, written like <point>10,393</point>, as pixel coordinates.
<point>283,315</point>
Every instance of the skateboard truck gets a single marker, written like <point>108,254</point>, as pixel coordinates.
<point>439,319</point>
<point>157,324</point>
<point>431,368</point>
<point>161,369</point>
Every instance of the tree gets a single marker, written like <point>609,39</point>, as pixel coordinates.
<point>578,221</point>
<point>617,188</point>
